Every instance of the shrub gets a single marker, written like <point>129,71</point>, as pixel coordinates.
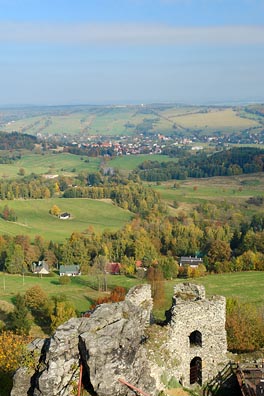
<point>64,280</point>
<point>12,350</point>
<point>8,214</point>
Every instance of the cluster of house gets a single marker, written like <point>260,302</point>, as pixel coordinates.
<point>42,268</point>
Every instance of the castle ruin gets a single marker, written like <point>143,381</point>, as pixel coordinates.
<point>196,335</point>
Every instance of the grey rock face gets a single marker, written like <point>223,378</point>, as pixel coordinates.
<point>109,346</point>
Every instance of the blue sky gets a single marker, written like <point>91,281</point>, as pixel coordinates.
<point>131,51</point>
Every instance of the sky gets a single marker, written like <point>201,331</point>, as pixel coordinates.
<point>55,52</point>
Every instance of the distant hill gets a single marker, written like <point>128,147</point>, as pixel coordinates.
<point>169,119</point>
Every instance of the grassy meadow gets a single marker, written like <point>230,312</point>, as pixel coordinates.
<point>33,217</point>
<point>131,162</point>
<point>248,286</point>
<point>234,190</point>
<point>61,164</point>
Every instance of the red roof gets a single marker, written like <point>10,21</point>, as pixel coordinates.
<point>113,268</point>
<point>138,263</point>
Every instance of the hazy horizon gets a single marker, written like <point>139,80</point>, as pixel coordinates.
<point>131,51</point>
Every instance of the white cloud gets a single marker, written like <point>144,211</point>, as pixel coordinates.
<point>129,34</point>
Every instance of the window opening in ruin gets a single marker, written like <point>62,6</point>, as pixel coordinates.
<point>195,338</point>
<point>196,371</point>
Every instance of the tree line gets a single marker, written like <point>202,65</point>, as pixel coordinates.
<point>235,161</point>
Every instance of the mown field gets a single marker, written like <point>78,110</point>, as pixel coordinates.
<point>223,119</point>
<point>248,286</point>
<point>48,163</point>
<point>33,217</point>
<point>70,164</point>
<point>233,190</point>
<point>126,120</point>
<point>131,162</point>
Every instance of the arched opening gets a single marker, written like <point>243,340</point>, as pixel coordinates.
<point>195,338</point>
<point>196,371</point>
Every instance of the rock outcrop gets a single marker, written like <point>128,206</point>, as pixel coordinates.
<point>109,345</point>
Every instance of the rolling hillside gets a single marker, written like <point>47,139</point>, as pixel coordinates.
<point>33,217</point>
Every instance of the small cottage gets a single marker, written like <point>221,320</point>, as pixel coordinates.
<point>64,216</point>
<point>41,268</point>
<point>192,262</point>
<point>70,270</point>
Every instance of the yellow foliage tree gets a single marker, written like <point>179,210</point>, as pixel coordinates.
<point>62,311</point>
<point>55,210</point>
<point>244,326</point>
<point>12,350</point>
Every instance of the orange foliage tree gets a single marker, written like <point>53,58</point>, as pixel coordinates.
<point>116,295</point>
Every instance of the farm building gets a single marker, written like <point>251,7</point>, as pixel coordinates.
<point>193,262</point>
<point>64,216</point>
<point>41,268</point>
<point>70,270</point>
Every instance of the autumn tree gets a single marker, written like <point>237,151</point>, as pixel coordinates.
<point>76,252</point>
<point>244,325</point>
<point>13,352</point>
<point>169,267</point>
<point>50,258</point>
<point>61,310</point>
<point>116,295</point>
<point>218,251</point>
<point>99,270</point>
<point>128,266</point>
<point>35,298</point>
<point>8,214</point>
<point>55,210</point>
<point>14,262</point>
<point>156,280</point>
<point>19,321</point>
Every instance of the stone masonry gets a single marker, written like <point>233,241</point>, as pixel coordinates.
<point>196,335</point>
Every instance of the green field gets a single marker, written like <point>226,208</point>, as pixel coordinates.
<point>48,163</point>
<point>231,189</point>
<point>33,217</point>
<point>126,120</point>
<point>131,162</point>
<point>248,286</point>
<point>81,290</point>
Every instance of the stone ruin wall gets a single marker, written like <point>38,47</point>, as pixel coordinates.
<point>171,352</point>
<point>192,312</point>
